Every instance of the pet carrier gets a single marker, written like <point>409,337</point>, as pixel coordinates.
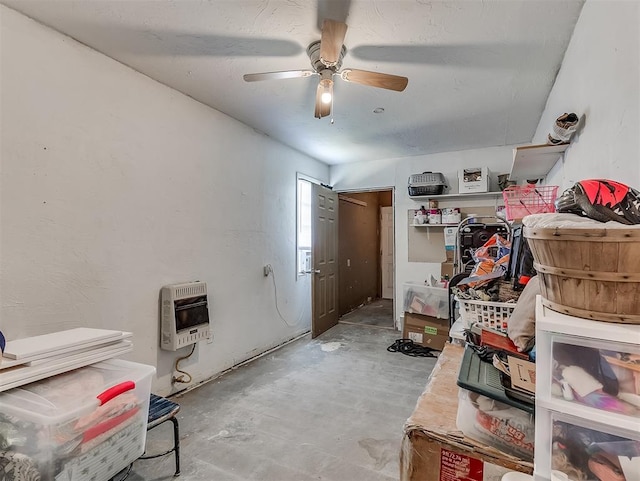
<point>427,183</point>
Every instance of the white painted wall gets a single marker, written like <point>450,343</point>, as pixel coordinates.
<point>395,173</point>
<point>600,80</point>
<point>113,185</point>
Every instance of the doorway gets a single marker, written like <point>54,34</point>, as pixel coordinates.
<point>366,258</point>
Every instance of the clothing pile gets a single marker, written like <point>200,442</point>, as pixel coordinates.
<point>486,281</point>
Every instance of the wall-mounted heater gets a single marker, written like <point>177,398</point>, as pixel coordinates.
<point>184,316</point>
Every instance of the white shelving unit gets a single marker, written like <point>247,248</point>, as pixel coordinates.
<point>535,161</point>
<point>433,225</point>
<point>561,409</point>
<point>471,196</point>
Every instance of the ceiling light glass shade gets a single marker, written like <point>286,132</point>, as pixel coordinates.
<point>326,87</point>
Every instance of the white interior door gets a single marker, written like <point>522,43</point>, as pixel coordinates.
<point>386,251</point>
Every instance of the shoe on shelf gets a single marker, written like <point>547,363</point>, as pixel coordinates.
<point>563,128</point>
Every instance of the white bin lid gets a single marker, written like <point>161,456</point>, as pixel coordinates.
<point>65,396</point>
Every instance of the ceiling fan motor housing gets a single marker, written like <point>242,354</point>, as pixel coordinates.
<point>313,51</point>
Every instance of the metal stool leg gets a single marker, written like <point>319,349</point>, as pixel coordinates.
<point>162,410</point>
<point>176,444</point>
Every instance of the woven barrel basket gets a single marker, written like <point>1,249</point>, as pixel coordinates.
<point>589,273</point>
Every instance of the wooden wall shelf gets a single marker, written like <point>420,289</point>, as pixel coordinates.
<point>475,195</point>
<point>433,225</point>
<point>535,161</point>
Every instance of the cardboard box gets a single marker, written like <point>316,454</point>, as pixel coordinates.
<point>450,236</point>
<point>433,449</point>
<point>446,269</point>
<point>426,330</point>
<point>450,253</point>
<point>474,179</point>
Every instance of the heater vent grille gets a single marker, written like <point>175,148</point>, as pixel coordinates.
<point>189,290</point>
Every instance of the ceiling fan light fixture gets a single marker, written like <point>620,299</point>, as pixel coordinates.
<point>326,94</point>
<point>326,57</point>
<point>326,86</point>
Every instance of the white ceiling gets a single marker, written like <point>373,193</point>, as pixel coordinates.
<point>479,70</point>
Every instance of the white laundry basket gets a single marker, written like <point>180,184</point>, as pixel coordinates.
<point>494,315</point>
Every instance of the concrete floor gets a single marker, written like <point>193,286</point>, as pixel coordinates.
<point>330,409</point>
<point>377,313</point>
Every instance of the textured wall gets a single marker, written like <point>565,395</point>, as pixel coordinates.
<point>600,81</point>
<point>113,185</point>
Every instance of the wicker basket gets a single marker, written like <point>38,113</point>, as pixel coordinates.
<point>494,315</point>
<point>589,273</point>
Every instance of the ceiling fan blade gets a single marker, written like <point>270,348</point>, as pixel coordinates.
<point>335,9</point>
<point>331,41</point>
<point>254,77</point>
<point>375,79</point>
<point>322,108</point>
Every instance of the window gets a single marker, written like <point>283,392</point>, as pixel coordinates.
<point>304,226</point>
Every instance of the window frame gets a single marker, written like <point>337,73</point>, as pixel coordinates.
<point>300,268</point>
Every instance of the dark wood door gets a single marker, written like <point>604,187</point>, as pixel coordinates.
<point>324,209</point>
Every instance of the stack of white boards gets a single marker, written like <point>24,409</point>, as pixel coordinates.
<point>33,358</point>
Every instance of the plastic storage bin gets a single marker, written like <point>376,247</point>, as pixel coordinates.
<point>496,424</point>
<point>426,300</point>
<point>594,373</point>
<point>85,424</point>
<point>588,369</point>
<point>494,315</point>
<point>575,449</point>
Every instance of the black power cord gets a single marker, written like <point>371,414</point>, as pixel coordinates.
<point>410,348</point>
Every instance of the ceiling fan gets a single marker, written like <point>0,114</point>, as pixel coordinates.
<point>326,57</point>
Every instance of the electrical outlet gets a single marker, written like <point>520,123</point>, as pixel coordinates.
<point>267,270</point>
<point>210,338</point>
